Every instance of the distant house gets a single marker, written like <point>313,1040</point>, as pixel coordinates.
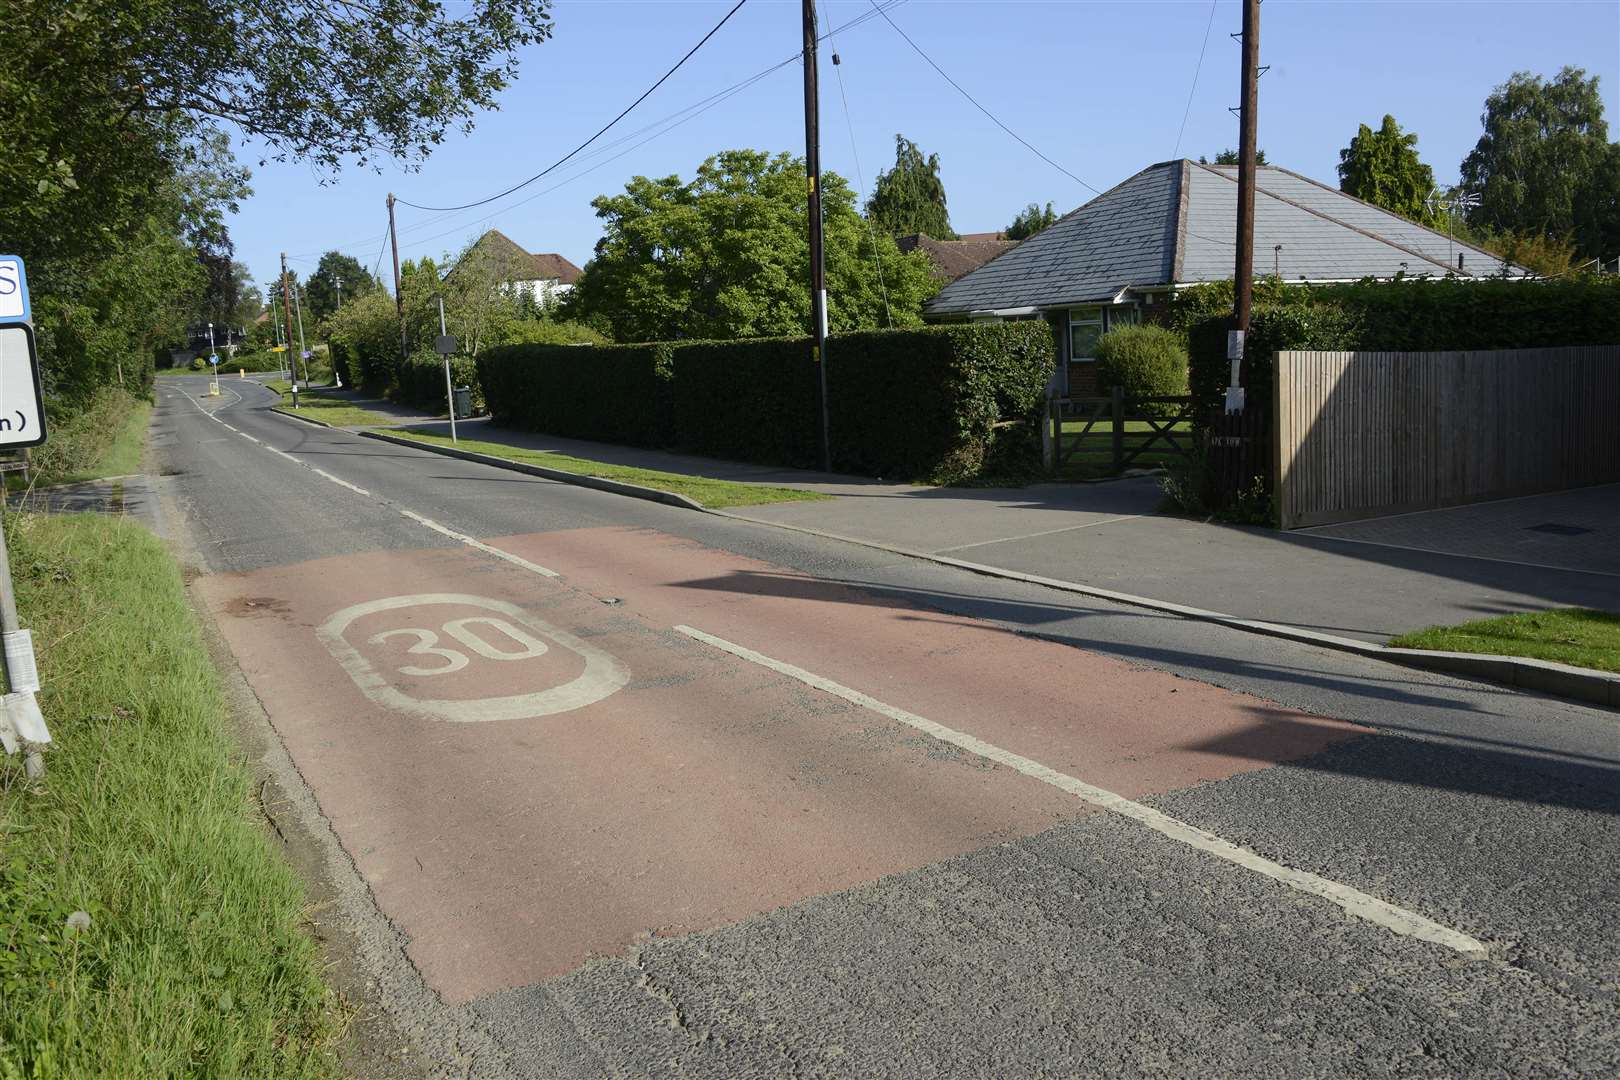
<point>544,277</point>
<point>953,258</point>
<point>1115,260</point>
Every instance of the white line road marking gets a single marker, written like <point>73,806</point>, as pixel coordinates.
<point>515,560</point>
<point>1033,535</point>
<point>1360,904</point>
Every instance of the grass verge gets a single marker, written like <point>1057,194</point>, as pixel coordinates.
<point>104,439</point>
<point>330,410</point>
<point>714,494</point>
<point>196,961</point>
<point>1579,636</point>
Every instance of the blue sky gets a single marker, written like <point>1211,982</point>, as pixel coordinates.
<point>1100,86</point>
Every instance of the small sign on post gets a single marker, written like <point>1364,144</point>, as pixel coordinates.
<point>1234,353</point>
<point>22,424</point>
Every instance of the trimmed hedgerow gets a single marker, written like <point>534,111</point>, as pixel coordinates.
<point>1423,315</point>
<point>610,393</point>
<point>420,381</point>
<point>939,404</point>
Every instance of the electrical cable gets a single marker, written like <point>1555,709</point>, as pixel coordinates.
<point>603,131</point>
<point>860,180</point>
<point>1198,67</point>
<point>958,86</point>
<point>679,117</point>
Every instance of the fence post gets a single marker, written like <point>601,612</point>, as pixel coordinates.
<point>1119,428</point>
<point>1048,436</point>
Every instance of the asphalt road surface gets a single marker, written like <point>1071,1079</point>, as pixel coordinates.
<point>647,792</point>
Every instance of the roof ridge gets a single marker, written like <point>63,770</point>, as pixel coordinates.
<point>1387,241</point>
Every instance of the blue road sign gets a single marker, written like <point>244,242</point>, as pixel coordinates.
<point>14,291</point>
<point>213,359</point>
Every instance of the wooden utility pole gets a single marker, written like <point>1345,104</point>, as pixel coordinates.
<point>286,311</point>
<point>818,270</point>
<point>399,293</point>
<point>1243,272</point>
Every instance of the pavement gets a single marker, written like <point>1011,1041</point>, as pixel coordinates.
<point>131,496</point>
<point>1370,580</point>
<point>643,792</point>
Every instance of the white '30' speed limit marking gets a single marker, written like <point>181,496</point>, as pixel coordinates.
<point>439,646</point>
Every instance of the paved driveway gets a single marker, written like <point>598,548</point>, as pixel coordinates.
<point>1568,530</point>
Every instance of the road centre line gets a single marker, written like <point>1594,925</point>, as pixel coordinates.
<point>1398,920</point>
<point>426,522</point>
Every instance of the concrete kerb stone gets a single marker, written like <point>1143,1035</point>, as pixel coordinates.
<point>299,416</point>
<point>1525,673</point>
<point>617,487</point>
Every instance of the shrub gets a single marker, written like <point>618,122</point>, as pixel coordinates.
<point>614,393</point>
<point>1146,361</point>
<point>1422,315</point>
<point>421,380</point>
<point>942,403</point>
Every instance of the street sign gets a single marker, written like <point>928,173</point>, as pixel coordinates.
<point>444,344</point>
<point>306,354</point>
<point>22,413</point>
<point>278,348</point>
<point>214,359</point>
<point>14,291</point>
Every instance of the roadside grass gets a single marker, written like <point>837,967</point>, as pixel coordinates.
<point>105,439</point>
<point>714,494</point>
<point>330,410</point>
<point>196,961</point>
<point>1093,457</point>
<point>1583,637</point>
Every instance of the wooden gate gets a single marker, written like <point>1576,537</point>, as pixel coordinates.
<point>1109,434</point>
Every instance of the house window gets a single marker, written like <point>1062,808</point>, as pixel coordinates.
<point>1085,327</point>
<point>1087,324</point>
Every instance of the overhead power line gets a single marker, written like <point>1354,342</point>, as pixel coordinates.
<point>658,129</point>
<point>604,129</point>
<point>994,119</point>
<point>1194,88</point>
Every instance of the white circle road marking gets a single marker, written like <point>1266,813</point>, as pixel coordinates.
<point>603,675</point>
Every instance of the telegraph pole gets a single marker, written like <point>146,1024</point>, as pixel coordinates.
<point>1243,272</point>
<point>286,312</point>
<point>818,276</point>
<point>399,294</point>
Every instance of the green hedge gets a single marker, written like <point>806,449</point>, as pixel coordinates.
<point>420,381</point>
<point>1406,316</point>
<point>928,404</point>
<point>612,393</point>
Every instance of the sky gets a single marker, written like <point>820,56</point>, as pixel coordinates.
<point>1101,87</point>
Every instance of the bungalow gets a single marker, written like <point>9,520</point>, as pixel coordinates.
<point>1117,259</point>
<point>953,258</point>
<point>543,277</point>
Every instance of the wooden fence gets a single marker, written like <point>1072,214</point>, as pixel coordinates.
<point>1366,433</point>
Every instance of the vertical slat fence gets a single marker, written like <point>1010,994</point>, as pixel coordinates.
<point>1361,434</point>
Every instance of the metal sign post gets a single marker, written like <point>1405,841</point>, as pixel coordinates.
<point>445,345</point>
<point>22,424</point>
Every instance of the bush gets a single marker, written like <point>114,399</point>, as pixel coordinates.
<point>941,404</point>
<point>614,393</point>
<point>1146,361</point>
<point>421,380</point>
<point>1422,315</point>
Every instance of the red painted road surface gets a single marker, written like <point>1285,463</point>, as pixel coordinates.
<point>531,771</point>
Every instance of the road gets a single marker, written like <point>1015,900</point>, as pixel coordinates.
<point>647,792</point>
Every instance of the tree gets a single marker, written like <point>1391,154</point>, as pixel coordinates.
<point>336,273</point>
<point>1382,167</point>
<point>910,197</point>
<point>1029,221</point>
<point>1544,164</point>
<point>726,255</point>
<point>1230,157</point>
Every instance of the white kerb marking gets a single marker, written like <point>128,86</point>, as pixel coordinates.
<point>1360,904</point>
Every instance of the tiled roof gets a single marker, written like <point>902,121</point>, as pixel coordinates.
<point>520,265</point>
<point>1173,223</point>
<point>953,258</point>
